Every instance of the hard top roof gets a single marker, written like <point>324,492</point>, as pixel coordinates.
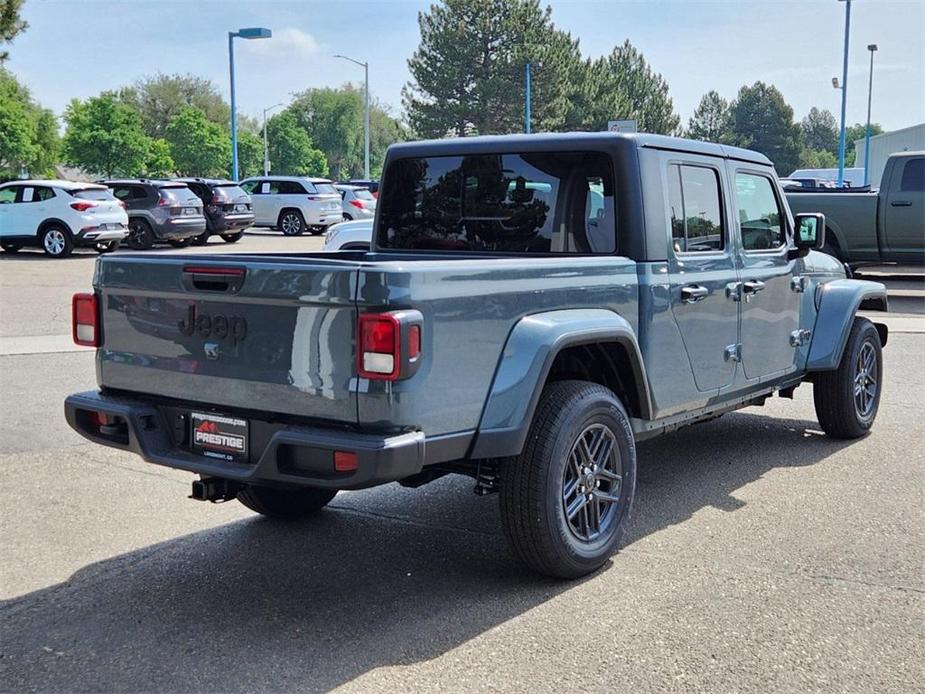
<point>57,183</point>
<point>571,140</point>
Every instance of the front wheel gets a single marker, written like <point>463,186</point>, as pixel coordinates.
<point>57,241</point>
<point>847,399</point>
<point>292,223</point>
<point>565,500</point>
<point>286,504</point>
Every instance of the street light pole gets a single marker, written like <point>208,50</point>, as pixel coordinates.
<point>872,47</point>
<point>249,33</point>
<point>844,96</point>
<point>365,67</point>
<point>527,100</point>
<point>266,145</point>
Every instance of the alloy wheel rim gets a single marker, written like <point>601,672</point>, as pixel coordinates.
<point>291,223</point>
<point>866,381</point>
<point>54,242</point>
<point>592,482</point>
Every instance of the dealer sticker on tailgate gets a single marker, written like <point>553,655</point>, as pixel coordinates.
<point>219,437</point>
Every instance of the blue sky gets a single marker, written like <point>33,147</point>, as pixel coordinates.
<point>77,49</point>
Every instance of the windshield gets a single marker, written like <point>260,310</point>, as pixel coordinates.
<point>326,189</point>
<point>559,202</point>
<point>92,194</point>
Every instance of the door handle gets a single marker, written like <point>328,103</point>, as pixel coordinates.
<point>901,203</point>
<point>750,288</point>
<point>693,293</point>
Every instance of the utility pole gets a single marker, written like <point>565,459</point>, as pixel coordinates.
<point>870,90</point>
<point>844,96</point>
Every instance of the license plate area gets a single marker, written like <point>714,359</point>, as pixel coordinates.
<point>224,437</point>
<point>189,211</point>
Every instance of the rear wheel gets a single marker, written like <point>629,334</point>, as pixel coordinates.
<point>107,247</point>
<point>847,399</point>
<point>57,241</point>
<point>10,247</point>
<point>140,235</point>
<point>566,499</point>
<point>292,223</point>
<point>202,239</point>
<point>232,238</point>
<point>287,504</point>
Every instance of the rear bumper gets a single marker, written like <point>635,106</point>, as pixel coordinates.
<point>93,237</point>
<point>287,455</point>
<point>181,227</point>
<point>231,222</point>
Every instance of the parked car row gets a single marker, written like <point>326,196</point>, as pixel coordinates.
<point>59,216</point>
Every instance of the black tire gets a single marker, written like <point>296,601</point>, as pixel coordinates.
<point>56,241</point>
<point>140,235</point>
<point>107,247</point>
<point>10,247</point>
<point>286,504</point>
<point>181,243</point>
<point>831,249</point>
<point>347,217</point>
<point>291,222</point>
<point>232,238</point>
<point>202,239</point>
<point>843,413</point>
<point>533,485</point>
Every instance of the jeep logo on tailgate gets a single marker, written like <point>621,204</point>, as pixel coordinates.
<point>218,325</point>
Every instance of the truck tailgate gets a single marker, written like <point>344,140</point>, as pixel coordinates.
<point>255,333</point>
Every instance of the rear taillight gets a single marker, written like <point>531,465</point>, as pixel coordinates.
<point>83,205</point>
<point>389,345</point>
<point>357,203</point>
<point>121,204</point>
<point>379,347</point>
<point>313,197</point>
<point>163,202</point>
<point>85,320</point>
<point>217,199</point>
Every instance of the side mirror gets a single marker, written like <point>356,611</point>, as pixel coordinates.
<point>810,232</point>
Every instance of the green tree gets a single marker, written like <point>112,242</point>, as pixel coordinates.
<point>250,154</point>
<point>817,159</point>
<point>291,149</point>
<point>160,98</point>
<point>198,146</point>
<point>28,133</point>
<point>856,132</point>
<point>468,72</point>
<point>104,136</point>
<point>159,163</point>
<point>710,121</point>
<point>623,85</point>
<point>761,120</point>
<point>820,131</point>
<point>11,25</point>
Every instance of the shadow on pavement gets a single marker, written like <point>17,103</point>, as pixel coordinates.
<point>260,605</point>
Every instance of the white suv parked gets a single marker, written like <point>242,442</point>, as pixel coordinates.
<point>293,203</point>
<point>59,216</point>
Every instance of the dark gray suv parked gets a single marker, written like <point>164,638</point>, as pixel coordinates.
<point>227,208</point>
<point>159,211</point>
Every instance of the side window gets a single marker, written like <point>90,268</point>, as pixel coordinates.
<point>290,188</point>
<point>250,187</point>
<point>760,217</point>
<point>139,192</point>
<point>122,193</point>
<point>42,194</point>
<point>913,180</point>
<point>270,187</point>
<point>696,209</point>
<point>27,194</point>
<point>8,195</point>
<point>309,187</point>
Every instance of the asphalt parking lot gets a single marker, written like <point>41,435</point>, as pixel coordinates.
<point>761,556</point>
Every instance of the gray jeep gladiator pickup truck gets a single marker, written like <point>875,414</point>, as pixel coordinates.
<point>530,308</point>
<point>885,225</point>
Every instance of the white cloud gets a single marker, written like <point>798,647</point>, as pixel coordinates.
<point>289,42</point>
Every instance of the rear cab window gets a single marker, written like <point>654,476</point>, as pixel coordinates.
<point>520,203</point>
<point>913,178</point>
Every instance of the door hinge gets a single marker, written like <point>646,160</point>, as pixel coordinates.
<point>733,353</point>
<point>798,338</point>
<point>798,284</point>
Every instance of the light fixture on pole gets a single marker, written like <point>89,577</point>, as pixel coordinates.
<point>266,146</point>
<point>844,96</point>
<point>365,67</point>
<point>249,33</point>
<point>872,47</point>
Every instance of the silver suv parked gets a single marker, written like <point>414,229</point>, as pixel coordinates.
<point>293,204</point>
<point>158,211</point>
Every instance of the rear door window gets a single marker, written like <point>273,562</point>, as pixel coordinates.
<point>760,216</point>
<point>8,195</point>
<point>289,188</point>
<point>696,209</point>
<point>553,202</point>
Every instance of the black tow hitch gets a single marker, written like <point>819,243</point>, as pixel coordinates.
<point>215,489</point>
